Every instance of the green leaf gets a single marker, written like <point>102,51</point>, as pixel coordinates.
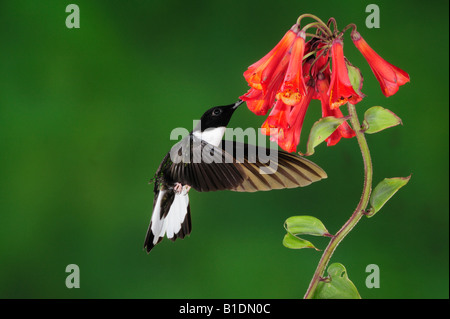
<point>384,191</point>
<point>355,77</point>
<point>322,129</point>
<point>378,118</point>
<point>293,242</point>
<point>337,285</point>
<point>308,225</point>
<point>302,225</point>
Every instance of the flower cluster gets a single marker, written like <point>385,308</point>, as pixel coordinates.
<point>296,71</point>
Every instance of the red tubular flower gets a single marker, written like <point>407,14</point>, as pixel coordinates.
<point>344,130</point>
<point>296,71</point>
<point>322,64</point>
<point>259,74</point>
<point>285,122</point>
<point>341,90</point>
<point>293,88</point>
<point>389,76</point>
<point>291,136</point>
<point>259,102</point>
<point>276,123</point>
<point>308,69</point>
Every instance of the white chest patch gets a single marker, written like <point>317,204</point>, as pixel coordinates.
<point>212,136</point>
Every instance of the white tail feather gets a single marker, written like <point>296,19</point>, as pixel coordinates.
<point>171,224</point>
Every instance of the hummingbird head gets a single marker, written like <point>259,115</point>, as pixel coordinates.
<point>218,116</point>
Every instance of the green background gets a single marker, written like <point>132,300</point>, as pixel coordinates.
<point>85,118</point>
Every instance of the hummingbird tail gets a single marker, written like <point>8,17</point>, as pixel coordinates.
<point>171,217</point>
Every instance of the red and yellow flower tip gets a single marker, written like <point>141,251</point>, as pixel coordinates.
<point>341,90</point>
<point>277,122</point>
<point>344,130</point>
<point>258,101</point>
<point>284,124</point>
<point>389,76</point>
<point>291,137</point>
<point>293,88</point>
<point>259,74</point>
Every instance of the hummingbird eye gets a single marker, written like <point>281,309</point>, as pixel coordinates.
<point>217,112</point>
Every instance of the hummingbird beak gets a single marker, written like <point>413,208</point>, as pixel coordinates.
<point>237,104</point>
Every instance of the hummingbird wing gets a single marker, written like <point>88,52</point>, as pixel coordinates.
<point>238,167</point>
<point>203,166</point>
<point>234,166</point>
<point>268,169</point>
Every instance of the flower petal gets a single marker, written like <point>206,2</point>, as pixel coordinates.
<point>293,88</point>
<point>343,130</point>
<point>341,90</point>
<point>258,101</point>
<point>389,76</point>
<point>259,74</point>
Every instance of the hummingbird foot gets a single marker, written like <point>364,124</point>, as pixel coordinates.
<point>178,188</point>
<point>181,189</point>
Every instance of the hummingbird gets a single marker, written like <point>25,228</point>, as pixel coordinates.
<point>205,162</point>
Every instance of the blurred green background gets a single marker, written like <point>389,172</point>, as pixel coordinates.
<point>85,118</point>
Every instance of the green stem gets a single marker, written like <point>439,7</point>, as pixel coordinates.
<point>320,22</point>
<point>332,21</point>
<point>315,36</point>
<point>318,26</point>
<point>359,211</point>
<point>351,25</point>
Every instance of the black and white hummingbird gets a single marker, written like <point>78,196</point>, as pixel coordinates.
<point>203,161</point>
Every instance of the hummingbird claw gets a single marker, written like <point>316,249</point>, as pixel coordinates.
<point>178,188</point>
<point>181,189</point>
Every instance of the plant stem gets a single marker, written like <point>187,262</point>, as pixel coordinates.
<point>323,25</point>
<point>359,211</point>
<point>317,25</point>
